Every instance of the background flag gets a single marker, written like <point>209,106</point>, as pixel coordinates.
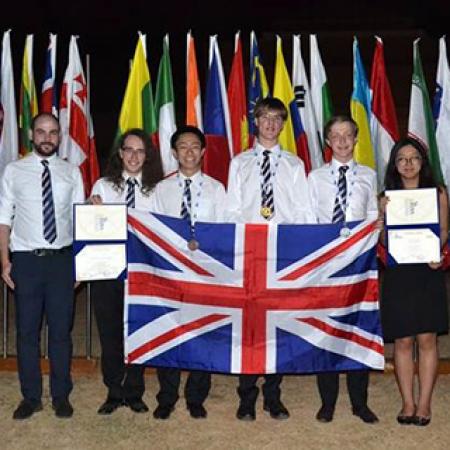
<point>293,136</point>
<point>28,98</point>
<point>9,144</point>
<point>383,120</point>
<point>441,111</point>
<point>320,92</point>
<point>48,94</point>
<point>165,109</point>
<point>304,104</point>
<point>193,91</point>
<point>76,145</point>
<point>217,119</point>
<point>360,110</point>
<point>237,100</point>
<point>420,123</point>
<point>138,109</point>
<point>257,87</point>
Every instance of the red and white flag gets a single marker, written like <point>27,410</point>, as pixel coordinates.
<point>77,134</point>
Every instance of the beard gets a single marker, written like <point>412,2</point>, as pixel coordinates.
<point>39,148</point>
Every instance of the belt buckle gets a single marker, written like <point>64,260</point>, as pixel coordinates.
<point>39,252</point>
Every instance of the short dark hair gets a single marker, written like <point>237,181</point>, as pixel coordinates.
<point>270,103</point>
<point>40,116</point>
<point>393,179</point>
<point>340,118</point>
<point>183,129</point>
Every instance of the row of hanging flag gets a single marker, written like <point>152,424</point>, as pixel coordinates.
<point>227,117</point>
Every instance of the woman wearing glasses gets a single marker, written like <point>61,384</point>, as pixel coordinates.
<point>414,303</point>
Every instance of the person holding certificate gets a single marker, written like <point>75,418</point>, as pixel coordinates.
<point>414,303</point>
<point>341,191</point>
<point>192,195</point>
<point>133,170</point>
<point>267,184</point>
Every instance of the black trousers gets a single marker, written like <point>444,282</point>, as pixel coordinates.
<point>196,390</point>
<point>248,391</point>
<point>357,384</point>
<point>122,380</point>
<point>43,285</point>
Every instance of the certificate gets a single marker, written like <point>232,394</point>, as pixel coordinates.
<point>100,262</point>
<point>101,222</point>
<point>412,207</point>
<point>414,245</point>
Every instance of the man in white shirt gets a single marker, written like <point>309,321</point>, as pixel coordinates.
<point>266,184</point>
<point>133,170</point>
<point>194,196</point>
<point>37,194</point>
<point>342,191</point>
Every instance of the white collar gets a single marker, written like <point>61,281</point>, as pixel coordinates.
<point>138,177</point>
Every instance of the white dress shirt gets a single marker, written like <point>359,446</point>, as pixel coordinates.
<point>361,191</point>
<point>290,188</point>
<point>109,193</point>
<point>21,201</point>
<point>207,194</point>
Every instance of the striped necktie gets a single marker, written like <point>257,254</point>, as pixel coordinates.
<point>267,204</point>
<point>48,207</point>
<point>341,196</point>
<point>131,195</point>
<point>187,199</point>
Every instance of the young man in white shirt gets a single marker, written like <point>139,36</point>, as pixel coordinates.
<point>133,170</point>
<point>36,199</point>
<point>342,191</point>
<point>188,193</point>
<point>266,184</point>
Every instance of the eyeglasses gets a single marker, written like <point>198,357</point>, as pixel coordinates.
<point>271,117</point>
<point>402,161</point>
<point>133,151</point>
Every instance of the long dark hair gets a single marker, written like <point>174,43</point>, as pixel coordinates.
<point>393,179</point>
<point>152,171</point>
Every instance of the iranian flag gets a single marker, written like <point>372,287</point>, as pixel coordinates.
<point>28,98</point>
<point>193,94</point>
<point>9,144</point>
<point>320,92</point>
<point>420,123</point>
<point>165,109</point>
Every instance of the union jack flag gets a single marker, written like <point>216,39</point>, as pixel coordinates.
<point>254,298</point>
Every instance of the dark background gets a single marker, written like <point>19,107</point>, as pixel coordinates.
<point>108,32</point>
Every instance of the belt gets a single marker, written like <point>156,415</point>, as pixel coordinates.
<point>51,251</point>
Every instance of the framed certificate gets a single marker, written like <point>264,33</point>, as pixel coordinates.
<point>100,235</point>
<point>412,226</point>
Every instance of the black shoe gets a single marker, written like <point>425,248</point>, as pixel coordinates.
<point>26,409</point>
<point>325,414</point>
<point>137,405</point>
<point>162,412</point>
<point>421,421</point>
<point>63,408</point>
<point>110,405</point>
<point>403,419</point>
<point>365,414</point>
<point>246,413</point>
<point>277,410</point>
<point>197,411</point>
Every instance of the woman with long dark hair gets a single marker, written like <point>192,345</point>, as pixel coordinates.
<point>414,303</point>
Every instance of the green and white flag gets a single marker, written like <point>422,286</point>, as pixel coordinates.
<point>420,123</point>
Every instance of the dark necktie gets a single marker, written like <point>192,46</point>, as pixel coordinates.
<point>48,207</point>
<point>267,204</point>
<point>131,195</point>
<point>341,197</point>
<point>186,201</point>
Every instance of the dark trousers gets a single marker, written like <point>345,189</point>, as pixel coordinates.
<point>357,384</point>
<point>248,391</point>
<point>122,380</point>
<point>196,390</point>
<point>43,285</point>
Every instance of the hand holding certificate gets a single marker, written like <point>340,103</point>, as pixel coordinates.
<point>412,221</point>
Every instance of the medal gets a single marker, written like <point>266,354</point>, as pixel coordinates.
<point>345,232</point>
<point>193,245</point>
<point>266,211</point>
